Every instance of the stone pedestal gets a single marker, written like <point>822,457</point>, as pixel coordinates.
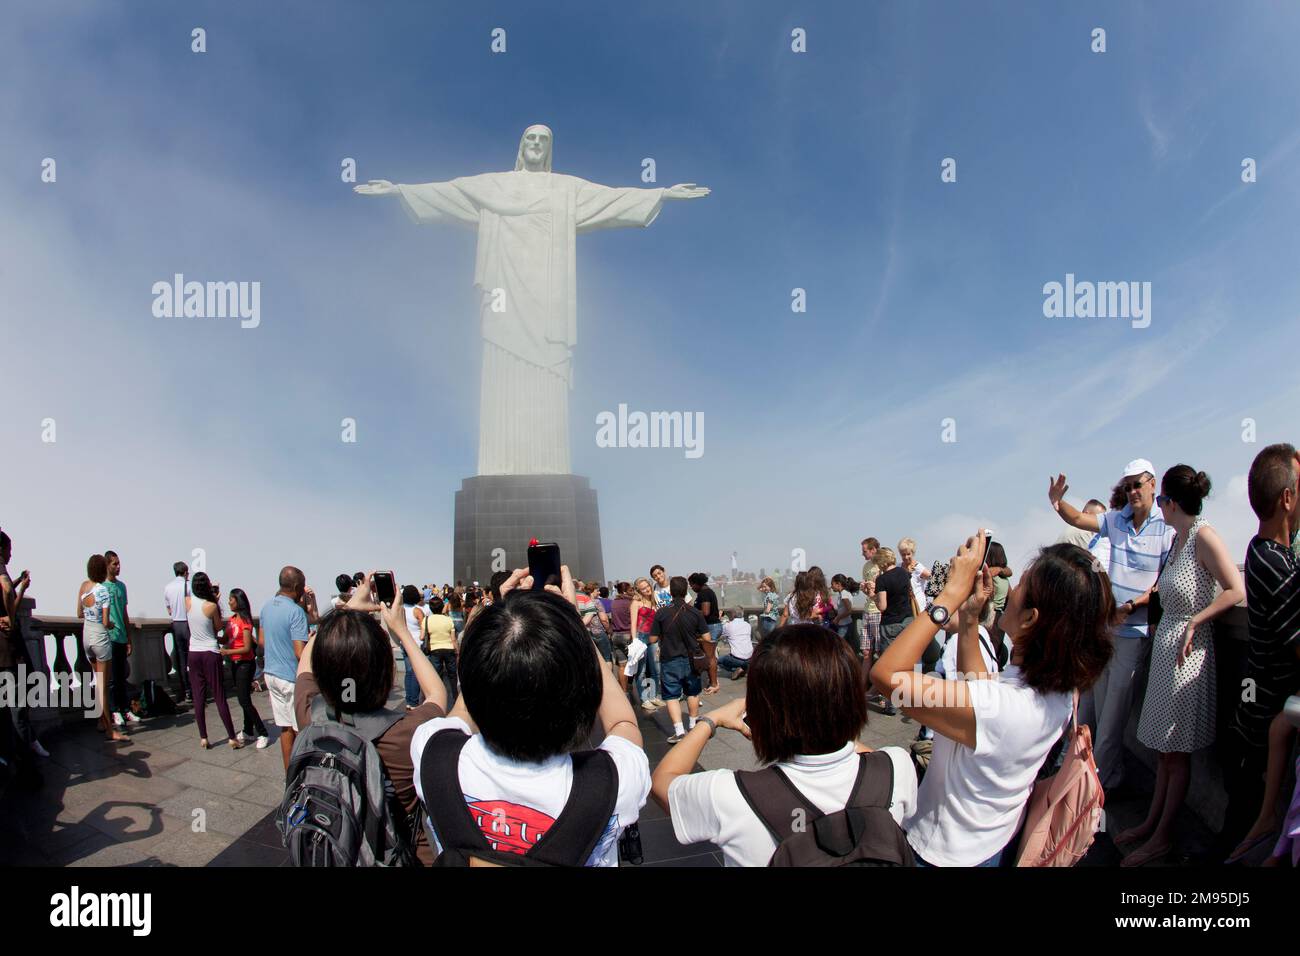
<point>497,515</point>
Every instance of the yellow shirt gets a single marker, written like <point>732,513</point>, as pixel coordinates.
<point>439,632</point>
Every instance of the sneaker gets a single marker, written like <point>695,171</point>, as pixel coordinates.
<point>241,737</point>
<point>117,720</point>
<point>261,743</point>
<point>676,737</point>
<point>132,718</point>
<point>649,706</point>
<point>38,749</point>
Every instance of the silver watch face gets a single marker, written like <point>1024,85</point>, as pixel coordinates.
<point>938,614</point>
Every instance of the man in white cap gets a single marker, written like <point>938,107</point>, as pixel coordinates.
<point>1139,545</point>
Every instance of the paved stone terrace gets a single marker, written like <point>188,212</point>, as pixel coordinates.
<point>134,804</point>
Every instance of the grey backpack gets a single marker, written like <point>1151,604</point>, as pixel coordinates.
<point>862,834</point>
<point>339,807</point>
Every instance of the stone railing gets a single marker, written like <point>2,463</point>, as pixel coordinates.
<point>55,647</point>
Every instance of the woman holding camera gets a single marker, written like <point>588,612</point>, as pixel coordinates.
<point>204,615</point>
<point>992,736</point>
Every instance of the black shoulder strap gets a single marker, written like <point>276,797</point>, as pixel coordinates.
<point>449,815</point>
<point>569,841</point>
<point>585,817</point>
<point>775,800</point>
<point>875,784</point>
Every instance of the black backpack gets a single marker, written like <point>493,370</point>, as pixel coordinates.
<point>569,841</point>
<point>862,834</point>
<point>340,808</point>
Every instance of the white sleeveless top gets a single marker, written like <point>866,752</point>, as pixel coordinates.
<point>412,624</point>
<point>203,636</point>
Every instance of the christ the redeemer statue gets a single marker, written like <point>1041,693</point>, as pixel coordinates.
<point>525,273</point>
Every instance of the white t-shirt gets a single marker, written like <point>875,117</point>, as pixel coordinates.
<point>709,806</point>
<point>948,666</point>
<point>839,604</point>
<point>528,797</point>
<point>741,638</point>
<point>918,589</point>
<point>971,801</point>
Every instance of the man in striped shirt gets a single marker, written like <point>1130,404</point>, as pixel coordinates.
<point>1139,544</point>
<point>1273,653</point>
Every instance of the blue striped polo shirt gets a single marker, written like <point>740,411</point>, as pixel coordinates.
<point>1136,555</point>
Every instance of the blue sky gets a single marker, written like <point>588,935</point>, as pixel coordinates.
<point>924,298</point>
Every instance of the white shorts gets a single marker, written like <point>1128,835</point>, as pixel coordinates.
<point>281,690</point>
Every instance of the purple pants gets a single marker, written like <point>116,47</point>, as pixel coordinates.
<point>205,675</point>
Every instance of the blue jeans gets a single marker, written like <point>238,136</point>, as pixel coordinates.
<point>444,662</point>
<point>766,625</point>
<point>994,860</point>
<point>728,663</point>
<point>649,666</point>
<point>412,685</point>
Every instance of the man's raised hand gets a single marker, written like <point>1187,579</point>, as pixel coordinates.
<point>1056,490</point>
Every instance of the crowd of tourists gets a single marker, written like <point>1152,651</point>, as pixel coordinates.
<point>519,741</point>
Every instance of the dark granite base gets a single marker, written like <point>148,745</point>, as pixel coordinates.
<point>505,511</point>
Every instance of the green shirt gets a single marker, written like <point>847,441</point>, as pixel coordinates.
<point>1001,588</point>
<point>116,611</point>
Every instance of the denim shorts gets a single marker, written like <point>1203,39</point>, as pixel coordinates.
<point>677,675</point>
<point>619,642</point>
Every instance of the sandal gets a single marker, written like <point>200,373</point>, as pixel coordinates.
<point>1131,835</point>
<point>1142,856</point>
<point>1244,849</point>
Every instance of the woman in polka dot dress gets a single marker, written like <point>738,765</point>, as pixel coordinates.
<point>1178,711</point>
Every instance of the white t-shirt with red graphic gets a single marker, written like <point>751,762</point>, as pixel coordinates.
<point>519,801</point>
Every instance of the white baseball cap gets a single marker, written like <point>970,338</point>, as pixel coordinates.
<point>1139,466</point>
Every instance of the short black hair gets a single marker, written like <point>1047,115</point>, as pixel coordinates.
<point>352,661</point>
<point>344,583</point>
<point>677,587</point>
<point>410,594</point>
<point>435,604</point>
<point>494,583</point>
<point>529,676</point>
<point>656,567</point>
<point>698,579</point>
<point>1271,473</point>
<point>807,693</point>
<point>180,568</point>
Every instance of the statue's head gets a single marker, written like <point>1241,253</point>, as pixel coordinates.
<point>534,150</point>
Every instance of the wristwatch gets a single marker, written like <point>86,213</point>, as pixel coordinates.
<point>713,728</point>
<point>938,614</point>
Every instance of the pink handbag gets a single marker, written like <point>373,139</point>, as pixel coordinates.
<point>1065,809</point>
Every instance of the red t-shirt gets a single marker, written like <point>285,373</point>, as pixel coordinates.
<point>239,634</point>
